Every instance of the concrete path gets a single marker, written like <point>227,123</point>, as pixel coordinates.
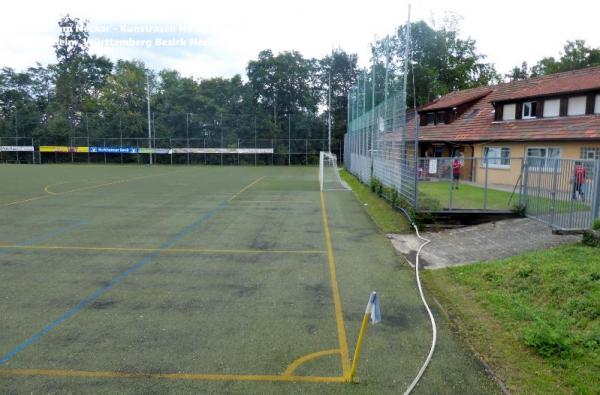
<point>490,241</point>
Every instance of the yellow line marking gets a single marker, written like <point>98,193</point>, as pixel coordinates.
<point>171,376</point>
<point>246,188</point>
<point>47,187</point>
<point>276,201</point>
<point>50,193</point>
<point>305,358</point>
<point>339,316</point>
<point>171,250</point>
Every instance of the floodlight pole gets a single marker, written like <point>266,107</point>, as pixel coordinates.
<point>187,133</point>
<point>329,113</point>
<point>149,120</point>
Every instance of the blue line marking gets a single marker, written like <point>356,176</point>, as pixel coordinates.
<point>115,281</point>
<point>47,236</point>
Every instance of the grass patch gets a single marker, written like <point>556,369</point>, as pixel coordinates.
<point>472,197</point>
<point>385,217</point>
<point>467,196</point>
<point>535,318</point>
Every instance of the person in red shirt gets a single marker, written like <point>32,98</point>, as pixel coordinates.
<point>456,166</point>
<point>579,181</point>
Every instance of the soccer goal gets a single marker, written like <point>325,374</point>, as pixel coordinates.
<point>329,175</point>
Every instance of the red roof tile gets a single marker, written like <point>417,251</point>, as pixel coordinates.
<point>552,84</point>
<point>477,122</point>
<point>457,98</point>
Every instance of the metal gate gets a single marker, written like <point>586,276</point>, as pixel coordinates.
<point>561,192</point>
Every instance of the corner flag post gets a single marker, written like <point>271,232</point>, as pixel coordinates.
<point>372,311</point>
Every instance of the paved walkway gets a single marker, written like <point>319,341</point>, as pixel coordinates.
<point>495,240</point>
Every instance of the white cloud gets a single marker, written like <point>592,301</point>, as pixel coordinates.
<point>235,31</point>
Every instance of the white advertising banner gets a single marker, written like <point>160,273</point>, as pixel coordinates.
<point>223,150</point>
<point>16,148</point>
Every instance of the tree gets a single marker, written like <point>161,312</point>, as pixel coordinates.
<point>79,76</point>
<point>341,69</point>
<point>441,61</point>
<point>286,83</point>
<point>518,73</point>
<point>575,55</point>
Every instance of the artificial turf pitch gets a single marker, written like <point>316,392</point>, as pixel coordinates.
<point>205,279</point>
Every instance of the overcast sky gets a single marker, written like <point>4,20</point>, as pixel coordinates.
<point>217,38</point>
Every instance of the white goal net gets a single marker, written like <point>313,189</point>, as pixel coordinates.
<point>329,175</point>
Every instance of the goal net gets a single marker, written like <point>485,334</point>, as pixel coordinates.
<point>329,175</point>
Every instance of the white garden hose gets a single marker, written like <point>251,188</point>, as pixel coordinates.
<point>433,326</point>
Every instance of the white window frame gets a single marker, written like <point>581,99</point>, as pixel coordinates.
<point>495,162</point>
<point>513,112</point>
<point>571,111</point>
<point>547,168</point>
<point>597,105</point>
<point>555,105</point>
<point>527,105</point>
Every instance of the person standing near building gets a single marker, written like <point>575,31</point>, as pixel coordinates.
<point>579,181</point>
<point>456,166</point>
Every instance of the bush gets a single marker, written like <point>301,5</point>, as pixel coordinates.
<point>596,224</point>
<point>546,341</point>
<point>519,210</point>
<point>591,238</point>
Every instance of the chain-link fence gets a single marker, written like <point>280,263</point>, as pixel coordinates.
<point>563,193</point>
<point>17,150</point>
<point>218,150</point>
<point>378,146</point>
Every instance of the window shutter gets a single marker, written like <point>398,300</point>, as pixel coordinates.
<point>564,105</point>
<point>519,111</point>
<point>498,114</point>
<point>539,111</point>
<point>590,103</point>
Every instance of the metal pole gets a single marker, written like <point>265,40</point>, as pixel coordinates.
<point>485,189</point>
<point>289,140</point>
<point>221,127</point>
<point>255,140</point>
<point>187,134</point>
<point>120,137</point>
<point>306,150</point>
<point>17,130</point>
<point>328,115</point>
<point>87,130</point>
<point>596,191</point>
<point>149,121</point>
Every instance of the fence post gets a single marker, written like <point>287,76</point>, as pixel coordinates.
<point>525,197</point>
<point>596,192</point>
<point>451,187</point>
<point>554,185</point>
<point>306,151</point>
<point>485,189</point>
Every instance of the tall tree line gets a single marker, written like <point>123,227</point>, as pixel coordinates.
<point>281,94</point>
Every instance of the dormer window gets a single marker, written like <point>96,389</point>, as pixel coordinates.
<point>529,110</point>
<point>430,118</point>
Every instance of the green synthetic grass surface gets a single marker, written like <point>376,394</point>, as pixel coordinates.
<point>544,310</point>
<point>191,312</point>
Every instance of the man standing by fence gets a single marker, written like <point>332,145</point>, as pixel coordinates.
<point>456,166</point>
<point>579,181</point>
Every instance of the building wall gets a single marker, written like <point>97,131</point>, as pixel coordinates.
<point>518,151</point>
